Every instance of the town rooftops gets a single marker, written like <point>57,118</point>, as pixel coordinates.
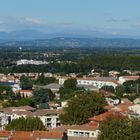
<point>24,135</point>
<point>43,112</point>
<point>17,109</point>
<point>22,91</point>
<point>84,127</point>
<point>109,79</point>
<point>48,135</point>
<point>53,86</point>
<point>4,134</point>
<point>130,77</point>
<point>123,107</point>
<point>101,117</point>
<point>126,100</point>
<point>61,128</point>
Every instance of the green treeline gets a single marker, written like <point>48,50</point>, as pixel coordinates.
<point>84,65</point>
<point>113,62</point>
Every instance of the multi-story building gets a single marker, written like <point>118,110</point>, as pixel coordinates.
<point>49,117</point>
<point>86,132</point>
<point>96,82</point>
<point>32,62</point>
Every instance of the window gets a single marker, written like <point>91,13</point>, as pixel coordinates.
<point>81,134</point>
<point>48,119</point>
<point>75,133</point>
<point>87,134</point>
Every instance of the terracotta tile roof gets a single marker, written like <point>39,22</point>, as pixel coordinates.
<point>22,110</point>
<point>43,112</point>
<point>86,127</point>
<point>125,100</point>
<point>93,124</point>
<point>22,91</point>
<point>62,128</point>
<point>4,134</point>
<point>101,117</point>
<point>106,93</point>
<point>108,107</point>
<point>23,139</point>
<point>131,77</point>
<point>49,135</point>
<point>23,135</point>
<point>122,107</point>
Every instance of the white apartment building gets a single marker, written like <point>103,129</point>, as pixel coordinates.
<point>49,117</point>
<point>96,82</point>
<point>33,62</point>
<point>123,79</point>
<point>83,131</point>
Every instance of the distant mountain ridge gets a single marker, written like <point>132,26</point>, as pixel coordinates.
<point>74,43</point>
<point>73,39</point>
<point>23,35</point>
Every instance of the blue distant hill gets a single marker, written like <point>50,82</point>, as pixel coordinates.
<point>34,38</point>
<point>74,43</point>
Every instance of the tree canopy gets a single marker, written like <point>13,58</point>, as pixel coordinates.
<point>26,124</point>
<point>70,83</point>
<point>119,128</point>
<point>42,80</point>
<point>43,95</point>
<point>25,82</point>
<point>81,107</point>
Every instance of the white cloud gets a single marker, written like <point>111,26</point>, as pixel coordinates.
<point>20,23</point>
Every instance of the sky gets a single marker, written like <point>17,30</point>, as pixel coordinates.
<point>120,17</point>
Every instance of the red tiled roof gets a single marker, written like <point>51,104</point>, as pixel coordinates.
<point>49,135</point>
<point>122,107</point>
<point>86,127</point>
<point>93,124</point>
<point>24,135</point>
<point>131,77</point>
<point>22,91</point>
<point>101,117</point>
<point>5,134</point>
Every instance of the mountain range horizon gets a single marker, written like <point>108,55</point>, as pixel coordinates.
<point>22,35</point>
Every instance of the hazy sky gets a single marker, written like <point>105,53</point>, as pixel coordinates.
<point>109,16</point>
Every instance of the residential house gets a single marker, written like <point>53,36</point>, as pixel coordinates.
<point>25,93</point>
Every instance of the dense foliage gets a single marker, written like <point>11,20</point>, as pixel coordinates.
<point>42,80</point>
<point>25,82</point>
<point>81,107</point>
<point>43,95</point>
<point>26,124</point>
<point>19,101</point>
<point>119,128</point>
<point>69,89</point>
<point>70,83</point>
